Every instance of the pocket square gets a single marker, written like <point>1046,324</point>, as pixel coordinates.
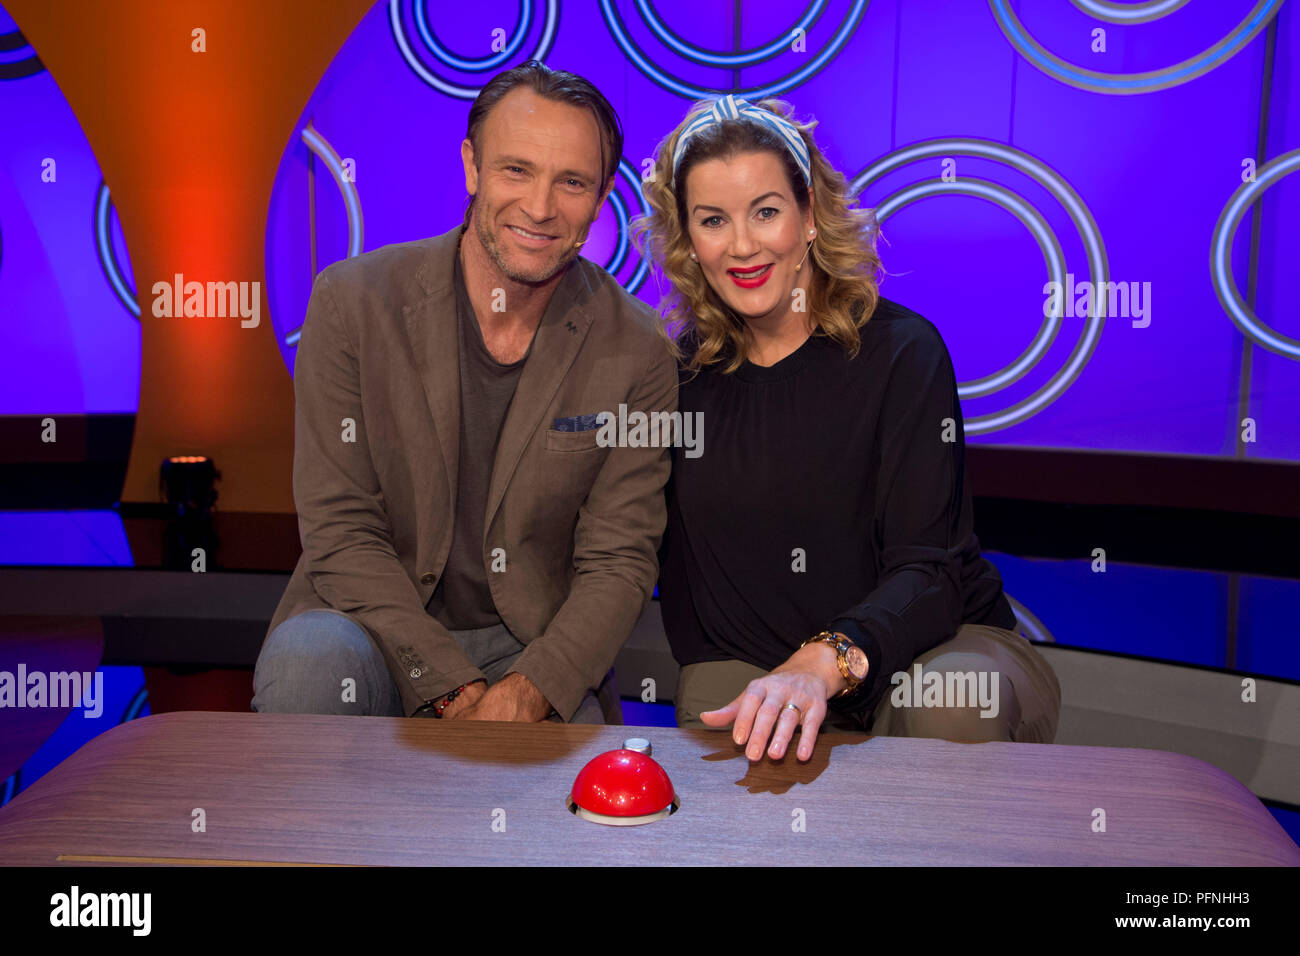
<point>579,423</point>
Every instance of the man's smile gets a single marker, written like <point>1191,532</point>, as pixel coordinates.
<point>535,239</point>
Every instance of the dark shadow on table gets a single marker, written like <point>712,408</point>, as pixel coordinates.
<point>778,776</point>
<point>525,743</point>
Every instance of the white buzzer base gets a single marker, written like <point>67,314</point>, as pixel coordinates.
<point>619,821</point>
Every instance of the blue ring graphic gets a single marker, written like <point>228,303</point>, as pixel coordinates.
<point>1221,254</point>
<point>1128,13</point>
<point>319,146</point>
<point>620,252</point>
<point>107,260</point>
<point>29,64</point>
<point>1083,221</point>
<point>13,783</point>
<point>327,154</point>
<point>454,89</point>
<point>1048,244</point>
<point>473,66</point>
<point>1126,83</point>
<point>620,210</point>
<point>690,91</point>
<point>138,700</point>
<point>713,58</point>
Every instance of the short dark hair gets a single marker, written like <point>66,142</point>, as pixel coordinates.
<point>561,87</point>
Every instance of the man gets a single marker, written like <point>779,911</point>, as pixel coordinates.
<point>469,550</point>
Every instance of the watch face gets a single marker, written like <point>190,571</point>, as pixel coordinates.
<point>856,658</point>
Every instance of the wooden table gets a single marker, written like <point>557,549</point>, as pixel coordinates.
<point>369,790</point>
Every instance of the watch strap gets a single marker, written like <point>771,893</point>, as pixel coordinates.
<point>841,645</point>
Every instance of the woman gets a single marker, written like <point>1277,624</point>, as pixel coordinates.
<point>823,544</point>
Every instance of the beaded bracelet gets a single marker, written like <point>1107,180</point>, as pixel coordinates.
<point>442,705</point>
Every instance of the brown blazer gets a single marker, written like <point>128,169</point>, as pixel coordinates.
<point>580,523</point>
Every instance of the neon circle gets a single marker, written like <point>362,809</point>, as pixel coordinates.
<point>713,57</point>
<point>319,145</point>
<point>1221,253</point>
<point>1053,258</point>
<point>620,251</point>
<point>445,86</point>
<point>473,66</point>
<point>1128,13</point>
<point>1083,221</point>
<point>1123,83</point>
<point>691,91</point>
<point>620,211</point>
<point>107,257</point>
<point>17,58</point>
<point>326,153</point>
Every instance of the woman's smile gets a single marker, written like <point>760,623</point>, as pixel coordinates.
<point>750,278</point>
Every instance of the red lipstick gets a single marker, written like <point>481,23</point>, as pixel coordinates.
<point>753,281</point>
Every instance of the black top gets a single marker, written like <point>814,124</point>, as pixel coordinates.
<point>831,494</point>
<point>462,599</point>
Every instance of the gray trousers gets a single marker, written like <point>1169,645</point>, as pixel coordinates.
<point>306,660</point>
<point>1029,695</point>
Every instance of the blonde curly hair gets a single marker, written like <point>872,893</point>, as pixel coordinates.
<point>843,288</point>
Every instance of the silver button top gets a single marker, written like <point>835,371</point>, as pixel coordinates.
<point>639,744</point>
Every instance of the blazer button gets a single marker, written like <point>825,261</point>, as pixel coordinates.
<point>428,577</point>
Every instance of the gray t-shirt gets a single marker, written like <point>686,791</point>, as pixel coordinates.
<point>462,599</point>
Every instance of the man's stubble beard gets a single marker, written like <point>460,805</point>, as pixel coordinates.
<point>488,240</point>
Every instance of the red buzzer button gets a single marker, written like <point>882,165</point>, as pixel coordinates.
<point>622,788</point>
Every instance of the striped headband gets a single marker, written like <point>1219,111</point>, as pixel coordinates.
<point>732,107</point>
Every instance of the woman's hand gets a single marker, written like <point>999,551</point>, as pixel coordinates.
<point>808,679</point>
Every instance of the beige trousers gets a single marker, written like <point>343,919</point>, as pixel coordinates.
<point>979,665</point>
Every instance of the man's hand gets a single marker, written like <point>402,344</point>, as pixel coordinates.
<point>514,697</point>
<point>466,699</point>
<point>808,679</point>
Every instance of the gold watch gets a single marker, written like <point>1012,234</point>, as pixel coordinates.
<point>852,660</point>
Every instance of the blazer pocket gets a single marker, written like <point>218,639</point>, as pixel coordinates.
<point>571,441</point>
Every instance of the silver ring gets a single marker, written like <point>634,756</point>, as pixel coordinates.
<point>793,706</point>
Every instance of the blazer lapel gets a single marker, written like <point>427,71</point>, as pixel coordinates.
<point>559,337</point>
<point>431,328</point>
